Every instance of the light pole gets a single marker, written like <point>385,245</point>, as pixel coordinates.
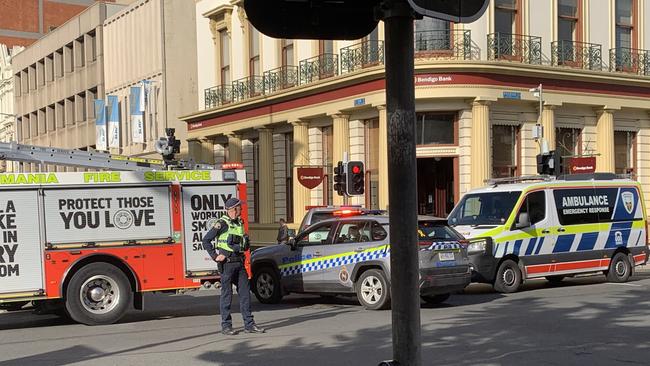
<point>539,133</point>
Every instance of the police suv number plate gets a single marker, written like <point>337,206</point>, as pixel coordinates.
<point>446,256</point>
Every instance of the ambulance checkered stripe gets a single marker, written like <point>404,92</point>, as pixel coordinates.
<point>620,234</point>
<point>344,259</point>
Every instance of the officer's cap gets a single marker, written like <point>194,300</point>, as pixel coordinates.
<point>232,203</point>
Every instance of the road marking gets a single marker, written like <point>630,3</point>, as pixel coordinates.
<point>624,284</point>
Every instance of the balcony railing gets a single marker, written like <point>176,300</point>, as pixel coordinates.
<point>362,55</point>
<point>248,87</point>
<point>515,47</point>
<point>218,96</point>
<point>280,78</point>
<point>320,67</point>
<point>445,44</point>
<point>580,55</point>
<point>629,60</point>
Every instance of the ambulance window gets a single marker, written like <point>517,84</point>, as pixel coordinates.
<point>578,206</point>
<point>535,205</point>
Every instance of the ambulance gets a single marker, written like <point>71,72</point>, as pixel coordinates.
<point>553,228</point>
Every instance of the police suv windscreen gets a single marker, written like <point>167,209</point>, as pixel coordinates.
<point>491,208</point>
<point>436,231</point>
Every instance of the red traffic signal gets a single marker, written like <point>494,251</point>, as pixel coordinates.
<point>355,184</point>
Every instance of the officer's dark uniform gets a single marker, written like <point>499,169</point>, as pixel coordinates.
<point>232,242</point>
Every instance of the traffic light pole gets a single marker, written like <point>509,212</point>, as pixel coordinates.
<point>402,198</point>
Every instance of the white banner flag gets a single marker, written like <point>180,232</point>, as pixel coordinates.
<point>100,124</point>
<point>137,109</point>
<point>113,121</point>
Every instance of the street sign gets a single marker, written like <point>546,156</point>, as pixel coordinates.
<point>579,165</point>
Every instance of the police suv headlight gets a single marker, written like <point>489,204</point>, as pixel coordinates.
<point>477,247</point>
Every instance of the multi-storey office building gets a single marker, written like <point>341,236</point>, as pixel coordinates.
<point>7,116</point>
<point>307,102</point>
<point>56,81</point>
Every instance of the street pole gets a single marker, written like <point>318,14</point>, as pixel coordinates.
<point>400,105</point>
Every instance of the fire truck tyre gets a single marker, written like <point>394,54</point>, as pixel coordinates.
<point>555,279</point>
<point>435,299</point>
<point>266,286</point>
<point>508,277</point>
<point>373,290</point>
<point>98,293</point>
<point>620,268</point>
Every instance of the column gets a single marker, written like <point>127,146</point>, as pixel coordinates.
<point>341,132</point>
<point>266,199</point>
<point>301,195</point>
<point>548,124</point>
<point>207,151</point>
<point>234,148</point>
<point>605,141</point>
<point>194,149</point>
<point>481,161</point>
<point>383,158</point>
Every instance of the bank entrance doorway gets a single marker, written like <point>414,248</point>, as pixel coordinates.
<point>437,185</point>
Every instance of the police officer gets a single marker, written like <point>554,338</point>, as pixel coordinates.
<point>229,254</point>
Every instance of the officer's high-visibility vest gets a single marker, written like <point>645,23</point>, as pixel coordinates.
<point>233,229</point>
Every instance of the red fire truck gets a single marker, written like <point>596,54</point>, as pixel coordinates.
<point>92,243</point>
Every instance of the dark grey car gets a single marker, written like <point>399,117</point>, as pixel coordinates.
<point>351,255</point>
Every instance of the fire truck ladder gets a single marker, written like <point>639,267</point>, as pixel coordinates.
<point>88,159</point>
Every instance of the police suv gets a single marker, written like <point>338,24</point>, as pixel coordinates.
<point>553,228</point>
<point>352,255</point>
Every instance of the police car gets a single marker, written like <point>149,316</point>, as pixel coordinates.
<point>351,255</point>
<point>553,228</point>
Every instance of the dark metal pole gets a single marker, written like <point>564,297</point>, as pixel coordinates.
<point>402,175</point>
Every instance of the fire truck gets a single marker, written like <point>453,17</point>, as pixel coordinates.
<point>91,244</point>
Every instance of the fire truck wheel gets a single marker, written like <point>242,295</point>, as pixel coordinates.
<point>620,268</point>
<point>98,293</point>
<point>266,285</point>
<point>508,277</point>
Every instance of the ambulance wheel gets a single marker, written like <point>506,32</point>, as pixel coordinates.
<point>620,268</point>
<point>98,293</point>
<point>435,299</point>
<point>373,291</point>
<point>555,279</point>
<point>508,277</point>
<point>266,285</point>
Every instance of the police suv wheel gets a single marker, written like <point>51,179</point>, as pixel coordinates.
<point>266,285</point>
<point>620,268</point>
<point>435,299</point>
<point>98,293</point>
<point>373,290</point>
<point>508,277</point>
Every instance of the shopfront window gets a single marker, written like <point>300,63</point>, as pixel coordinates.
<point>435,129</point>
<point>624,148</point>
<point>504,151</point>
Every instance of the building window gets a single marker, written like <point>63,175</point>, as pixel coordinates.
<point>624,152</point>
<point>58,63</point>
<point>372,163</point>
<point>49,68</point>
<point>325,46</point>
<point>288,156</point>
<point>506,16</point>
<point>435,129</point>
<point>92,46</point>
<point>68,59</point>
<point>504,151</point>
<point>432,35</point>
<point>224,44</point>
<point>287,52</point>
<point>567,141</point>
<point>254,66</point>
<point>568,22</point>
<point>625,23</point>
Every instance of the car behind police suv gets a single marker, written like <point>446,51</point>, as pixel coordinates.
<point>352,255</point>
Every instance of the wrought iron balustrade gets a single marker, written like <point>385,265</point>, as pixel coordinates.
<point>361,55</point>
<point>248,87</point>
<point>515,47</point>
<point>454,44</point>
<point>319,67</point>
<point>217,96</point>
<point>580,55</point>
<point>280,78</point>
<point>630,60</point>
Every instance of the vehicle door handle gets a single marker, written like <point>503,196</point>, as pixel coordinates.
<point>545,231</point>
<point>318,254</point>
<point>561,230</point>
<point>359,250</point>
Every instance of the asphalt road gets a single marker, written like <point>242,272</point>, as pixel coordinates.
<point>583,321</point>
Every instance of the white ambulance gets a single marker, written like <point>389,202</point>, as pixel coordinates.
<point>554,228</point>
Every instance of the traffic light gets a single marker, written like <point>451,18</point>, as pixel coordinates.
<point>550,163</point>
<point>355,178</point>
<point>457,11</point>
<point>168,146</point>
<point>339,179</point>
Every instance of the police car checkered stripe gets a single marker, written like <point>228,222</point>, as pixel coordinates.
<point>619,235</point>
<point>334,261</point>
<point>445,245</point>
